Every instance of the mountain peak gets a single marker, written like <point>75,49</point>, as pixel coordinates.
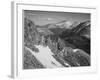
<point>65,24</point>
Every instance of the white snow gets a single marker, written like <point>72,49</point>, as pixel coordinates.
<point>75,50</point>
<point>45,57</point>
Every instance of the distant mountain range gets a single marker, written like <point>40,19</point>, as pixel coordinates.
<point>57,28</point>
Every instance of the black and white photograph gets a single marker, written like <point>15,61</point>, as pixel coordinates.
<point>53,39</point>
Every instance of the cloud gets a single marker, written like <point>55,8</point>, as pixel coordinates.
<point>49,19</point>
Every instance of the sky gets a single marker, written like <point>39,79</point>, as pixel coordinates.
<point>48,17</point>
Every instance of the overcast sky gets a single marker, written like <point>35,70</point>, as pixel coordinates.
<point>47,17</point>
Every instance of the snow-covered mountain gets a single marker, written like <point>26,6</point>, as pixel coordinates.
<point>64,24</point>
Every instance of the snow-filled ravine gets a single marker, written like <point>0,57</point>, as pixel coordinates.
<point>45,57</point>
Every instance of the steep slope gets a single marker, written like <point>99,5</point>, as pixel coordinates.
<point>77,36</point>
<point>30,39</point>
<point>83,29</point>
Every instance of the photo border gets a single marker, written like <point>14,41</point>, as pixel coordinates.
<point>17,41</point>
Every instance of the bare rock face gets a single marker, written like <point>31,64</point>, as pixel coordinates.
<point>29,30</point>
<point>31,35</point>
